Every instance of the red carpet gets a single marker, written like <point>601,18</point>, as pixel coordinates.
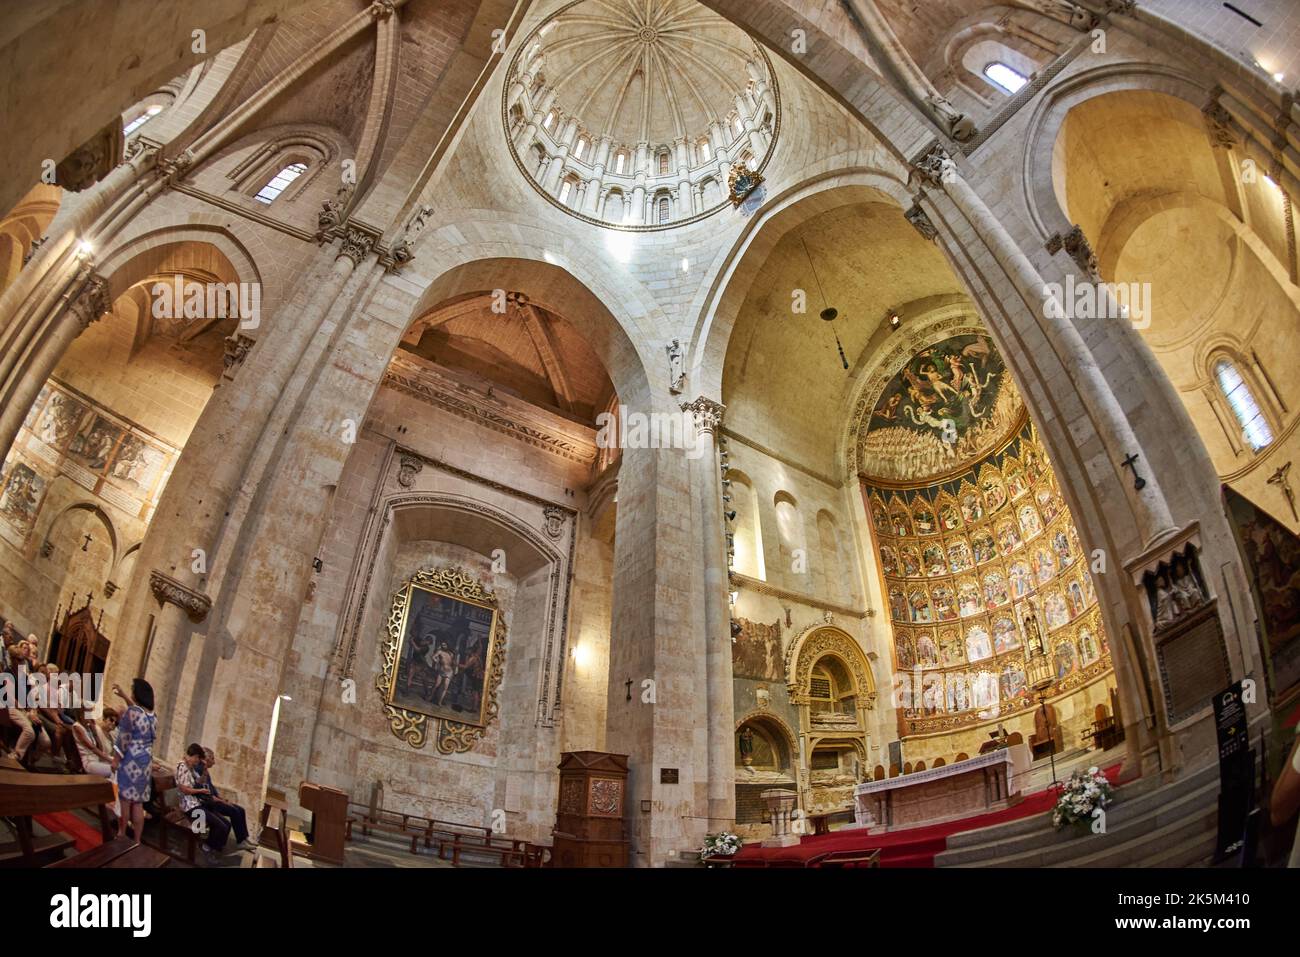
<point>65,822</point>
<point>912,847</point>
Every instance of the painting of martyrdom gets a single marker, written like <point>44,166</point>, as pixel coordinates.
<point>93,445</point>
<point>756,652</point>
<point>943,390</point>
<point>58,423</point>
<point>20,498</point>
<point>935,562</point>
<point>442,661</point>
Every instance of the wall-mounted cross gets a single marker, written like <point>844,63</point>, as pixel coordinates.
<point>86,544</point>
<point>1281,480</point>
<point>1130,462</point>
<point>629,689</point>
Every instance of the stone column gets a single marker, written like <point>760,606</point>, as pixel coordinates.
<point>74,312</point>
<point>1150,508</point>
<point>706,477</point>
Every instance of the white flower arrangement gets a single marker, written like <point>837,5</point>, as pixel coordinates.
<point>720,845</point>
<point>1080,797</point>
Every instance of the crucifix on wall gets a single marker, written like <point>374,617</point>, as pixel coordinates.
<point>86,544</point>
<point>1281,478</point>
<point>1130,462</point>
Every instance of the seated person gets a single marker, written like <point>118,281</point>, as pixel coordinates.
<point>32,737</point>
<point>94,750</point>
<point>192,794</point>
<point>233,813</point>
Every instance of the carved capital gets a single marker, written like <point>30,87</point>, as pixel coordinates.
<point>1078,247</point>
<point>177,167</point>
<point>237,347</point>
<point>168,590</point>
<point>92,302</point>
<point>957,124</point>
<point>411,466</point>
<point>1218,122</point>
<point>382,9</point>
<point>707,414</point>
<point>398,255</point>
<point>935,167</point>
<point>918,218</point>
<point>357,244</point>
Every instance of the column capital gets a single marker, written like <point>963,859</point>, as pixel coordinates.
<point>92,301</point>
<point>357,244</point>
<point>920,219</point>
<point>935,167</point>
<point>1080,250</point>
<point>707,414</point>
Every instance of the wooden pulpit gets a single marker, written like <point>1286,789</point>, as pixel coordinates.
<point>329,813</point>
<point>590,830</point>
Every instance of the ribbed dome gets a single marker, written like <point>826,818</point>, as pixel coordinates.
<point>651,71</point>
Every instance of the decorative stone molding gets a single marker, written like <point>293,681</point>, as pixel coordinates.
<point>110,589</point>
<point>402,251</point>
<point>935,167</point>
<point>1079,249</point>
<point>357,244</point>
<point>91,161</point>
<point>382,9</point>
<point>92,302</point>
<point>918,218</point>
<point>177,167</point>
<point>329,221</point>
<point>818,640</point>
<point>707,414</point>
<point>411,466</point>
<point>1218,122</point>
<point>168,590</point>
<point>957,124</point>
<point>554,517</point>
<point>237,346</point>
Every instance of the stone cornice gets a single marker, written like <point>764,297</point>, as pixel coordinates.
<point>168,590</point>
<point>499,412</point>
<point>763,588</point>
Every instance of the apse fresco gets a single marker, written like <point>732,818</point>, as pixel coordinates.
<point>950,404</point>
<point>980,571</point>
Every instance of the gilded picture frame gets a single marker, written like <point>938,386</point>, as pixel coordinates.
<point>443,660</point>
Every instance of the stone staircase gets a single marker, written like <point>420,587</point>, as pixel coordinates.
<point>1148,825</point>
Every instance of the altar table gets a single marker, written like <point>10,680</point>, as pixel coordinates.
<point>974,786</point>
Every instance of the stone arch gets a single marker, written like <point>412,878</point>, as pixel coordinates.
<point>779,729</point>
<point>1045,209</point>
<point>816,642</point>
<point>94,509</point>
<point>134,259</point>
<point>718,305</point>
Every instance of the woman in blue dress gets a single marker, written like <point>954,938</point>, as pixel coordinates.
<point>133,755</point>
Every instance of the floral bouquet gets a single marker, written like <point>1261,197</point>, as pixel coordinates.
<point>720,845</point>
<point>1081,795</point>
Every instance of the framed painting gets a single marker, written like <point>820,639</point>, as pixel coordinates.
<point>443,659</point>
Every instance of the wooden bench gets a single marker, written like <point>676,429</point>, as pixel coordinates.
<point>391,827</point>
<point>511,854</point>
<point>118,853</point>
<point>24,794</point>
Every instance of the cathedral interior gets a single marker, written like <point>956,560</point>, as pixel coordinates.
<point>584,428</point>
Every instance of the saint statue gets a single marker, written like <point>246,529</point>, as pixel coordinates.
<point>747,746</point>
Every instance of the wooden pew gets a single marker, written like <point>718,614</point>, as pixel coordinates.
<point>26,793</point>
<point>118,853</point>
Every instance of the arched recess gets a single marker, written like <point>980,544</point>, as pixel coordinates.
<point>767,756</point>
<point>831,685</point>
<point>23,228</point>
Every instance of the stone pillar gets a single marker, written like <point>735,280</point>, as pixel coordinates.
<point>706,477</point>
<point>780,809</point>
<point>87,300</point>
<point>1150,508</point>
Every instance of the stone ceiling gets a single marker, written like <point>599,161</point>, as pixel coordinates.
<point>645,70</point>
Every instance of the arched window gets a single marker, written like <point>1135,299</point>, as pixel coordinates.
<point>142,119</point>
<point>706,151</point>
<point>614,206</point>
<point>620,161</point>
<point>567,192</point>
<point>739,124</point>
<point>581,147</point>
<point>663,163</point>
<point>1005,78</point>
<point>279,182</point>
<point>1255,430</point>
<point>665,209</point>
<point>550,119</point>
